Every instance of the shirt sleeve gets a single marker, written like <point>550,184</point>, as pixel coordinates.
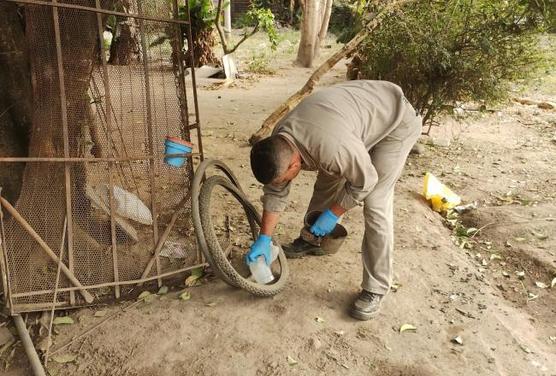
<point>353,162</point>
<point>275,199</point>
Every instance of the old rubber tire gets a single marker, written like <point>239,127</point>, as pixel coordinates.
<point>217,255</point>
<point>196,215</point>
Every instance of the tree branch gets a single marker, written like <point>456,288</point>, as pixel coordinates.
<point>347,49</point>
<point>225,47</point>
<point>245,37</point>
<point>219,29</point>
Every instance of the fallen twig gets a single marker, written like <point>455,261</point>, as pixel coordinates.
<point>71,341</point>
<point>545,105</point>
<point>481,228</point>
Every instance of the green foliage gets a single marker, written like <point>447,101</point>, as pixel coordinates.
<point>202,14</point>
<point>444,51</point>
<point>243,22</point>
<point>260,18</point>
<point>263,19</point>
<point>203,17</point>
<point>542,11</point>
<point>346,19</point>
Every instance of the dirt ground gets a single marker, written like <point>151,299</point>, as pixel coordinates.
<point>447,284</point>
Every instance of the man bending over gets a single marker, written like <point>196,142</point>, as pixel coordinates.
<point>357,135</point>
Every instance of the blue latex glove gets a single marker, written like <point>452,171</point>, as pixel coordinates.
<point>325,223</point>
<point>261,247</point>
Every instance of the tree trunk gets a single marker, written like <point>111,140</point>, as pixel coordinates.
<point>325,21</point>
<point>42,201</point>
<point>15,99</point>
<point>126,46</point>
<point>316,16</point>
<point>203,42</point>
<point>310,28</point>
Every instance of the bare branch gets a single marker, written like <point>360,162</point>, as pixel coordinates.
<point>245,37</point>
<point>225,47</point>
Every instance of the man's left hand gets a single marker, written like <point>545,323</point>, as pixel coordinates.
<point>325,223</point>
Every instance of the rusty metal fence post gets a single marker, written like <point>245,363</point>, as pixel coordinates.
<point>63,105</point>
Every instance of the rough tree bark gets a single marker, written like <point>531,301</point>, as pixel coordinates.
<point>307,89</point>
<point>324,24</point>
<point>15,99</point>
<point>42,200</point>
<point>203,43</point>
<point>126,46</point>
<point>316,16</point>
<point>291,11</point>
<point>310,28</point>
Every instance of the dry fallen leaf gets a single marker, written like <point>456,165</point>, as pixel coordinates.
<point>163,290</point>
<point>532,296</point>
<point>553,283</point>
<point>185,295</point>
<point>101,313</point>
<point>457,340</point>
<point>192,281</point>
<point>539,235</point>
<point>291,361</point>
<point>62,320</point>
<point>194,278</point>
<point>64,358</point>
<point>407,327</point>
<point>144,295</point>
<point>541,285</point>
<point>211,304</point>
<point>44,344</point>
<point>472,231</point>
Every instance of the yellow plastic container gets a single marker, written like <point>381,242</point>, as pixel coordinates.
<point>441,197</point>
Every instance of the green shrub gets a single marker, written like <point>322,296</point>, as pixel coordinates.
<point>440,52</point>
<point>345,19</point>
<point>260,64</point>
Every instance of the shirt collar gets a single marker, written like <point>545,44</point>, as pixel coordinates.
<point>307,161</point>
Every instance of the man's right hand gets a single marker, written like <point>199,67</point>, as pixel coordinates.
<point>261,247</point>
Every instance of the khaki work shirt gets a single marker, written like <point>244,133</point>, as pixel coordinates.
<point>334,129</point>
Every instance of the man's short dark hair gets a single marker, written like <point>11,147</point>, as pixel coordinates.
<point>270,158</point>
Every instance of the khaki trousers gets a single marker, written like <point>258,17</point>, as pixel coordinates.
<point>388,157</point>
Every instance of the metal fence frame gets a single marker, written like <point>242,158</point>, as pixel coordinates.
<point>67,160</point>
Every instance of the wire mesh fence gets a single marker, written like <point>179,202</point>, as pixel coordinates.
<point>96,192</point>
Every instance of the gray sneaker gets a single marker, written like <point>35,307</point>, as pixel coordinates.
<point>366,305</point>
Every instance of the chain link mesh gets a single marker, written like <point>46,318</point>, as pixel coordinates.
<point>120,110</point>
